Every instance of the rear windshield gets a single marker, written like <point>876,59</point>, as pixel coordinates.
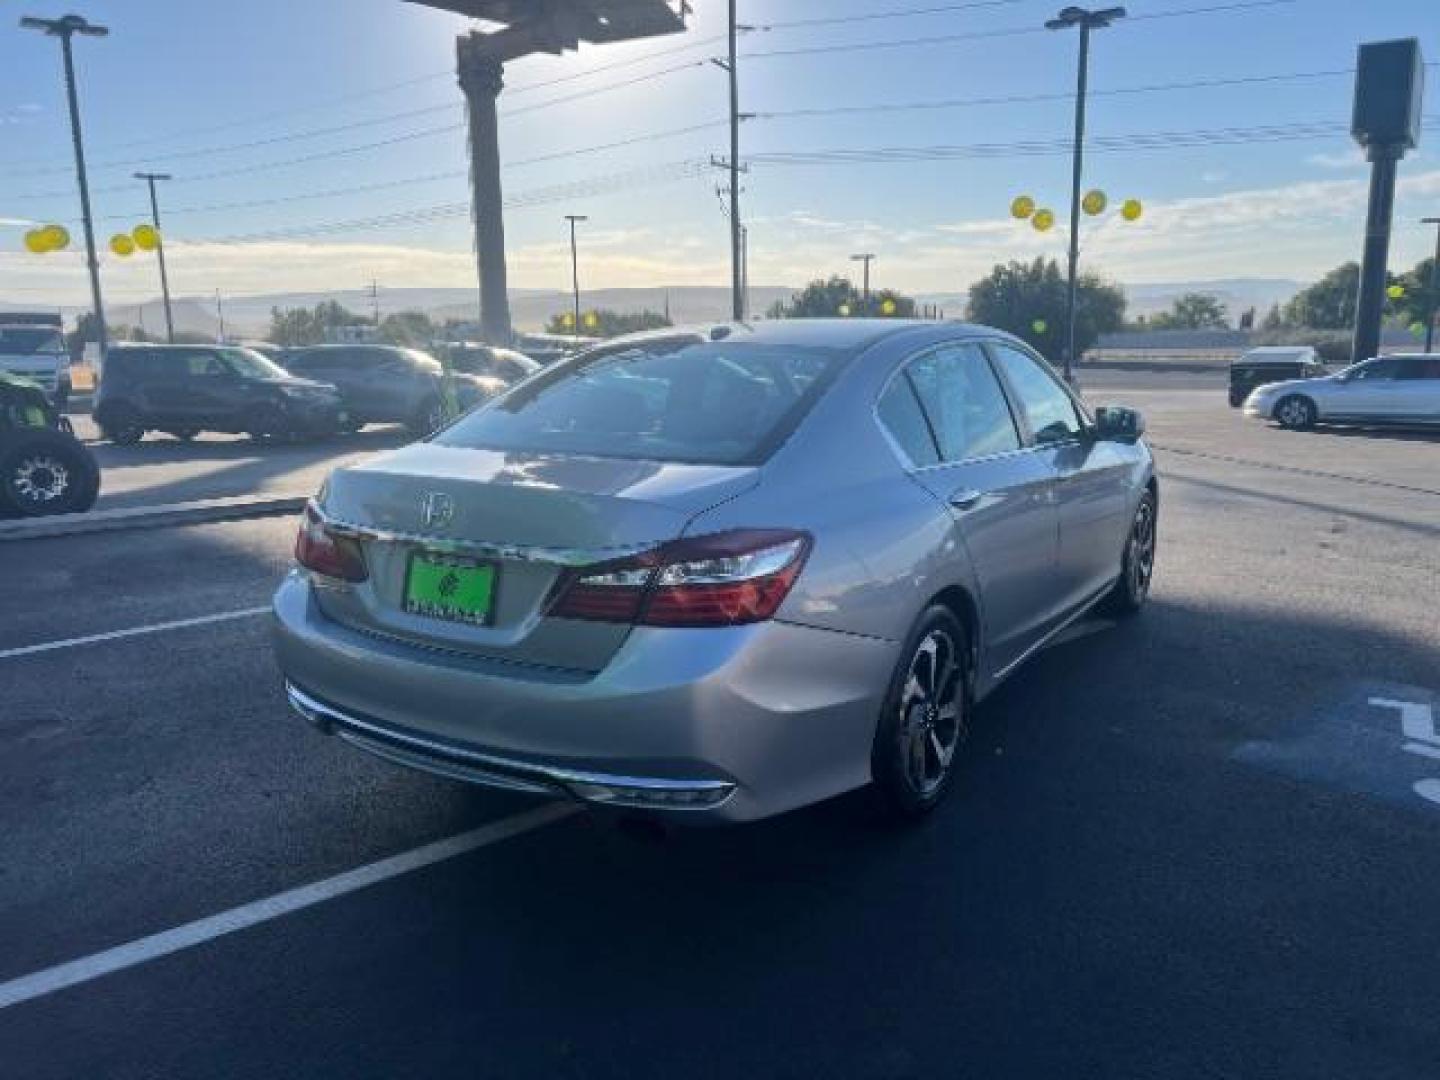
<point>714,403</point>
<point>30,340</point>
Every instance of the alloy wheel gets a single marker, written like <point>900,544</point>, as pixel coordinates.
<point>932,723</point>
<point>40,480</point>
<point>1142,550</point>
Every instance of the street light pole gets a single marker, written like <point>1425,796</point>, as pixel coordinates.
<point>65,28</point>
<point>865,292</point>
<point>150,179</point>
<point>1086,21</point>
<point>1434,284</point>
<point>575,266</point>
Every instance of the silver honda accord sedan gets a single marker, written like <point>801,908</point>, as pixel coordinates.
<point>719,574</point>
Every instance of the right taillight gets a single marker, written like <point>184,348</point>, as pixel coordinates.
<point>319,550</point>
<point>725,579</point>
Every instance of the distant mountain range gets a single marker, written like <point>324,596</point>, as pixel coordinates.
<point>249,316</point>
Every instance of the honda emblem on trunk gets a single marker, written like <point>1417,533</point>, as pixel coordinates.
<point>436,509</point>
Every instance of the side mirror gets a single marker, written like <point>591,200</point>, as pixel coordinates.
<point>1115,423</point>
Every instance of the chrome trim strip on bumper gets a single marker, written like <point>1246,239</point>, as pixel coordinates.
<point>461,763</point>
<point>516,552</point>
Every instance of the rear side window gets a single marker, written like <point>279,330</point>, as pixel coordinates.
<point>900,412</point>
<point>1419,367</point>
<point>963,402</point>
<point>715,403</point>
<point>1048,409</point>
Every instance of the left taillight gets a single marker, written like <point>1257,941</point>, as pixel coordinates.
<point>726,579</point>
<point>320,551</point>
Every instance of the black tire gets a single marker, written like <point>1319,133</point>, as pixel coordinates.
<point>1237,399</point>
<point>1137,564</point>
<point>122,425</point>
<point>1295,412</point>
<point>46,472</point>
<point>266,419</point>
<point>925,720</point>
<point>428,418</point>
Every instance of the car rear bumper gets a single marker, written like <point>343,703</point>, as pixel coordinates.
<point>721,725</point>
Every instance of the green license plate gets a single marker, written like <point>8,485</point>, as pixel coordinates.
<point>449,587</point>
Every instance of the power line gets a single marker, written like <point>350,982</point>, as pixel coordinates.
<point>1022,99</point>
<point>983,35</point>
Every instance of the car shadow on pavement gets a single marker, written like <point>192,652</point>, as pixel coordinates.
<point>164,450</point>
<point>1396,433</point>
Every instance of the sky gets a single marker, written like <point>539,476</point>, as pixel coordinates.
<point>271,114</point>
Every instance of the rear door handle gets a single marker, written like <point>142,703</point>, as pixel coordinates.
<point>966,499</point>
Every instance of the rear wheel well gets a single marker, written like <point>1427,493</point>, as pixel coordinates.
<point>962,605</point>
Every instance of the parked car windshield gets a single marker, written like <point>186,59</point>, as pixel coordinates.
<point>713,403</point>
<point>29,340</point>
<point>250,363</point>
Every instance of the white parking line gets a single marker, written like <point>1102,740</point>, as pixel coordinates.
<point>29,987</point>
<point>134,631</point>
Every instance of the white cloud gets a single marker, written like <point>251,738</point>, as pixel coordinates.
<point>1351,159</point>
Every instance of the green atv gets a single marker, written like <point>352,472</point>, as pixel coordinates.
<point>44,469</point>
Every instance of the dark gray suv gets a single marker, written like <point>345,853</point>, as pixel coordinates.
<point>186,389</point>
<point>387,384</point>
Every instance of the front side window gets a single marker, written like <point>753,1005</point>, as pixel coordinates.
<point>249,363</point>
<point>1048,409</point>
<point>713,403</point>
<point>30,341</point>
<point>1374,370</point>
<point>963,402</point>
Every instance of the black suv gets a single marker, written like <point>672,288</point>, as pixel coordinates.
<point>44,469</point>
<point>387,384</point>
<point>186,389</point>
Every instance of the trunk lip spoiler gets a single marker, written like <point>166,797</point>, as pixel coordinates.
<point>559,556</point>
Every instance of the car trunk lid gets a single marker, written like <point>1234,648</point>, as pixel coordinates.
<point>527,517</point>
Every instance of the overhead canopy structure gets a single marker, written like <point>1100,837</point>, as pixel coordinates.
<point>574,21</point>
<point>526,27</point>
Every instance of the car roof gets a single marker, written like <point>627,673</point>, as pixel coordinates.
<point>849,334</point>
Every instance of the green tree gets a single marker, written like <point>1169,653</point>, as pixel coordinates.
<point>1193,311</point>
<point>824,298</point>
<point>607,323</point>
<point>1329,304</point>
<point>307,326</point>
<point>1028,300</point>
<point>412,328</point>
<point>1420,300</point>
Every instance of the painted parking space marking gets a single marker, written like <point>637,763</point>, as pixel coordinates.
<point>39,983</point>
<point>129,632</point>
<point>1374,739</point>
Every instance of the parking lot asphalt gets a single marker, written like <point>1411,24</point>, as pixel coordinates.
<point>1195,843</point>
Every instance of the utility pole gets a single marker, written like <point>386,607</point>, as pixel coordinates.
<point>66,28</point>
<point>744,272</point>
<point>1434,285</point>
<point>575,267</point>
<point>1086,21</point>
<point>374,291</point>
<point>737,301</point>
<point>220,314</point>
<point>866,258</point>
<point>150,179</point>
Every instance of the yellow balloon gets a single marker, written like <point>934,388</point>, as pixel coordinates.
<point>1021,207</point>
<point>146,237</point>
<point>567,319</point>
<point>1131,210</point>
<point>592,320</point>
<point>57,237</point>
<point>1043,220</point>
<point>36,242</point>
<point>843,310</point>
<point>122,245</point>
<point>887,306</point>
<point>1039,326</point>
<point>1094,202</point>
<point>1395,292</point>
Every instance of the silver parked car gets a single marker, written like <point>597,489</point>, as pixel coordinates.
<point>718,579</point>
<point>1387,390</point>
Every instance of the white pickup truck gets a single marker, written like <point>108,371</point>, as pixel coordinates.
<point>32,346</point>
